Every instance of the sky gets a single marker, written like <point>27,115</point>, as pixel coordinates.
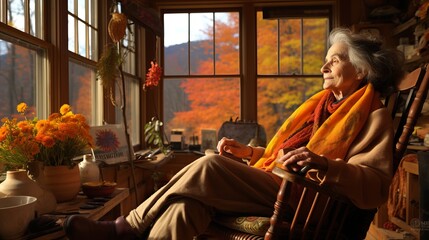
<point>176,26</point>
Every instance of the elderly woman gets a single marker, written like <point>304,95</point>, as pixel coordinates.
<point>343,134</point>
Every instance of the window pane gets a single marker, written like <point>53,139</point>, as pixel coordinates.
<point>176,44</point>
<point>201,37</point>
<point>290,46</point>
<point>93,44</point>
<point>16,17</point>
<point>82,91</point>
<point>314,44</point>
<point>81,36</point>
<point>279,97</point>
<point>81,9</point>
<point>70,6</point>
<point>92,16</point>
<point>195,104</point>
<point>28,20</point>
<point>36,14</point>
<point>227,37</point>
<point>267,45</point>
<point>21,79</point>
<point>82,29</point>
<point>71,33</point>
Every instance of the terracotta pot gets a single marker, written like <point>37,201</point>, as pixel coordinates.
<point>62,181</point>
<point>18,183</point>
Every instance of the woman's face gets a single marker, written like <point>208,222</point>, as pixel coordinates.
<point>339,75</point>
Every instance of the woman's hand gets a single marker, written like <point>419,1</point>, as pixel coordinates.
<point>230,146</point>
<point>302,159</point>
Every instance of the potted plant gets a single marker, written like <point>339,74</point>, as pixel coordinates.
<point>54,142</point>
<point>17,140</point>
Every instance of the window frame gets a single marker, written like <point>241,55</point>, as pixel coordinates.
<point>214,75</point>
<point>248,49</point>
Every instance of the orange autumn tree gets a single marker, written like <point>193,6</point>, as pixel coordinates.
<point>213,101</point>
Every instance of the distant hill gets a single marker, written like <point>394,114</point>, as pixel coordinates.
<point>176,63</point>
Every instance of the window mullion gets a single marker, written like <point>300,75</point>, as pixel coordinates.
<point>27,16</point>
<point>278,46</point>
<point>189,44</point>
<point>87,53</point>
<point>302,46</point>
<point>214,45</point>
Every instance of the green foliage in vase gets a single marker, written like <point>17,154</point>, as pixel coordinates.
<point>153,134</point>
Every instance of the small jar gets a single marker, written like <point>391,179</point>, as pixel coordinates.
<point>89,171</point>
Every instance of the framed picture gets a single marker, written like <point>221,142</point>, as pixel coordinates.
<point>110,144</point>
<point>208,139</point>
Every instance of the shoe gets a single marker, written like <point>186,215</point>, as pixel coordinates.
<point>80,228</point>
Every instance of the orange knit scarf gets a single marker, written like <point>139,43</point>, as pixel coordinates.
<point>335,135</point>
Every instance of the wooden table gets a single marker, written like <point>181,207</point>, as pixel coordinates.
<point>113,205</point>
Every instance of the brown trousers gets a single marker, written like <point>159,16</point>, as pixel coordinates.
<point>213,184</point>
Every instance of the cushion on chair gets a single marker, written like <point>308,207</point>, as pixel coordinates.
<point>248,224</point>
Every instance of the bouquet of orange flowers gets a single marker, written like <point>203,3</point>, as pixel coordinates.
<point>54,141</point>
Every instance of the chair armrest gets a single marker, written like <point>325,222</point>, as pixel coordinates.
<point>308,183</point>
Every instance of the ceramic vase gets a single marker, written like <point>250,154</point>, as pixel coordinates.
<point>89,171</point>
<point>18,183</point>
<point>62,181</point>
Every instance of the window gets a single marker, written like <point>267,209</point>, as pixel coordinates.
<point>201,70</point>
<point>22,77</point>
<point>290,53</point>
<point>85,93</point>
<point>24,15</point>
<point>32,69</point>
<point>202,53</point>
<point>82,28</point>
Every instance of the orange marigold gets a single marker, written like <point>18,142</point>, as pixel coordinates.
<point>3,133</point>
<point>65,108</point>
<point>25,126</point>
<point>42,125</point>
<point>48,141</point>
<point>54,116</point>
<point>22,107</point>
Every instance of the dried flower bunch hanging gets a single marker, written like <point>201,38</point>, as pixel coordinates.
<point>107,66</point>
<point>117,26</point>
<point>111,59</point>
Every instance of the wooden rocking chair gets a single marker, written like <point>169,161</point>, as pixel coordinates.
<point>330,215</point>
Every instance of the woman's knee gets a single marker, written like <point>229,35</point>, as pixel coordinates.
<point>214,161</point>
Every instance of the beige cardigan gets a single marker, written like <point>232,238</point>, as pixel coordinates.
<point>365,174</point>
